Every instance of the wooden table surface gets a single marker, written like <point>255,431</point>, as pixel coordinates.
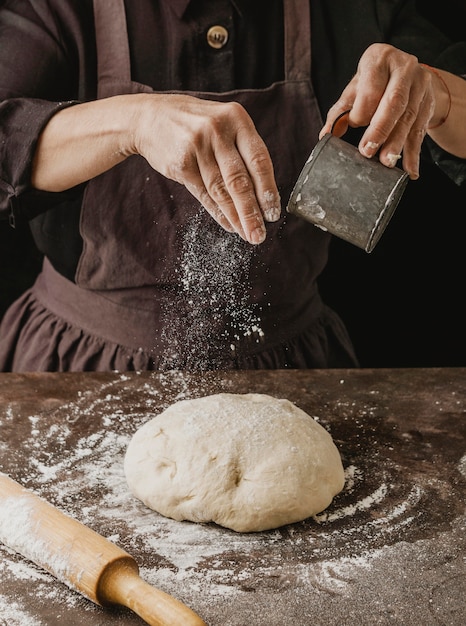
<point>389,550</point>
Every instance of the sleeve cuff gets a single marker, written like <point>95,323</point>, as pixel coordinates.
<point>22,121</point>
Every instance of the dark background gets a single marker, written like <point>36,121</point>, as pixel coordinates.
<point>404,303</point>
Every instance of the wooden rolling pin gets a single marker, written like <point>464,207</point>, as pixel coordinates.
<point>81,558</point>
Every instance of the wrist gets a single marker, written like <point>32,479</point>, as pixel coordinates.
<point>442,98</point>
<point>126,112</point>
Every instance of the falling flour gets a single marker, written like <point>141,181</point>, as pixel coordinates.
<point>213,308</point>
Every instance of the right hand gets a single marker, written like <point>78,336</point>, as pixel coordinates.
<point>211,148</point>
<point>214,150</point>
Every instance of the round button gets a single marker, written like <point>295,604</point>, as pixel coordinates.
<point>217,36</point>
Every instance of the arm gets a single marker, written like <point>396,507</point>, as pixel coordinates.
<point>212,148</point>
<point>216,152</point>
<point>399,101</point>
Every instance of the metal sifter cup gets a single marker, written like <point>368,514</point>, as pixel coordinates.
<point>347,194</point>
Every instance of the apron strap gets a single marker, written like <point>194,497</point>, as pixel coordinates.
<point>113,56</point>
<point>297,17</point>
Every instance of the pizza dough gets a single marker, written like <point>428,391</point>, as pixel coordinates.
<point>247,462</point>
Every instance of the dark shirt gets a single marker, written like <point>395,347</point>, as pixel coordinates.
<point>48,61</point>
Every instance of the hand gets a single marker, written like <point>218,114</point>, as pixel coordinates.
<point>213,149</point>
<point>394,96</point>
<point>210,147</point>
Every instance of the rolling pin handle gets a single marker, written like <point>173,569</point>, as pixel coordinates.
<point>121,584</point>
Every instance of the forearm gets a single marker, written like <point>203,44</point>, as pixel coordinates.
<point>83,141</point>
<point>212,148</point>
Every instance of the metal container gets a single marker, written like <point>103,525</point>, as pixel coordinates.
<point>347,194</point>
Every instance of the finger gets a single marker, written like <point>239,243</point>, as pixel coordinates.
<point>412,151</point>
<point>235,195</point>
<point>409,130</point>
<point>413,143</point>
<point>229,185</point>
<point>213,191</point>
<point>337,120</point>
<point>256,157</point>
<point>198,171</point>
<point>392,99</point>
<point>195,185</point>
<point>242,184</point>
<point>201,193</point>
<point>340,125</point>
<point>406,139</point>
<point>225,190</point>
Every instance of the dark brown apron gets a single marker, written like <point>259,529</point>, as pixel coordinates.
<point>149,245</point>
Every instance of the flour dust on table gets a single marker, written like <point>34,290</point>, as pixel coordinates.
<point>248,462</point>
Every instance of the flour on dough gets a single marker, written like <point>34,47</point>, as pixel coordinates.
<point>249,462</point>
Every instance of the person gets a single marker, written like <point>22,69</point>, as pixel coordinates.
<point>152,147</point>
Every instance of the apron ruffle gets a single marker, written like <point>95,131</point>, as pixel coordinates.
<point>34,338</point>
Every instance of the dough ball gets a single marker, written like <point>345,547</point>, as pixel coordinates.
<point>247,462</point>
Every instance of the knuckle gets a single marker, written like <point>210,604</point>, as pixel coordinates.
<point>205,199</point>
<point>226,116</point>
<point>235,110</point>
<point>239,184</point>
<point>380,131</point>
<point>252,219</point>
<point>235,107</point>
<point>375,49</point>
<point>411,60</point>
<point>218,191</point>
<point>417,135</point>
<point>212,125</point>
<point>409,116</point>
<point>260,162</point>
<point>398,98</point>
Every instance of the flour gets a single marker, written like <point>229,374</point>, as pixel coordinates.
<point>374,498</point>
<point>213,308</point>
<point>21,531</point>
<point>12,614</point>
<point>462,465</point>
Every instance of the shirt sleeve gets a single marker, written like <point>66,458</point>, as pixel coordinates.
<point>21,122</point>
<point>39,76</point>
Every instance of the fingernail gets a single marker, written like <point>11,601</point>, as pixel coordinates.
<point>392,159</point>
<point>272,214</point>
<point>370,148</point>
<point>271,206</point>
<point>258,235</point>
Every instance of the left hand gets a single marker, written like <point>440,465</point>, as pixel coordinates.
<point>391,94</point>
